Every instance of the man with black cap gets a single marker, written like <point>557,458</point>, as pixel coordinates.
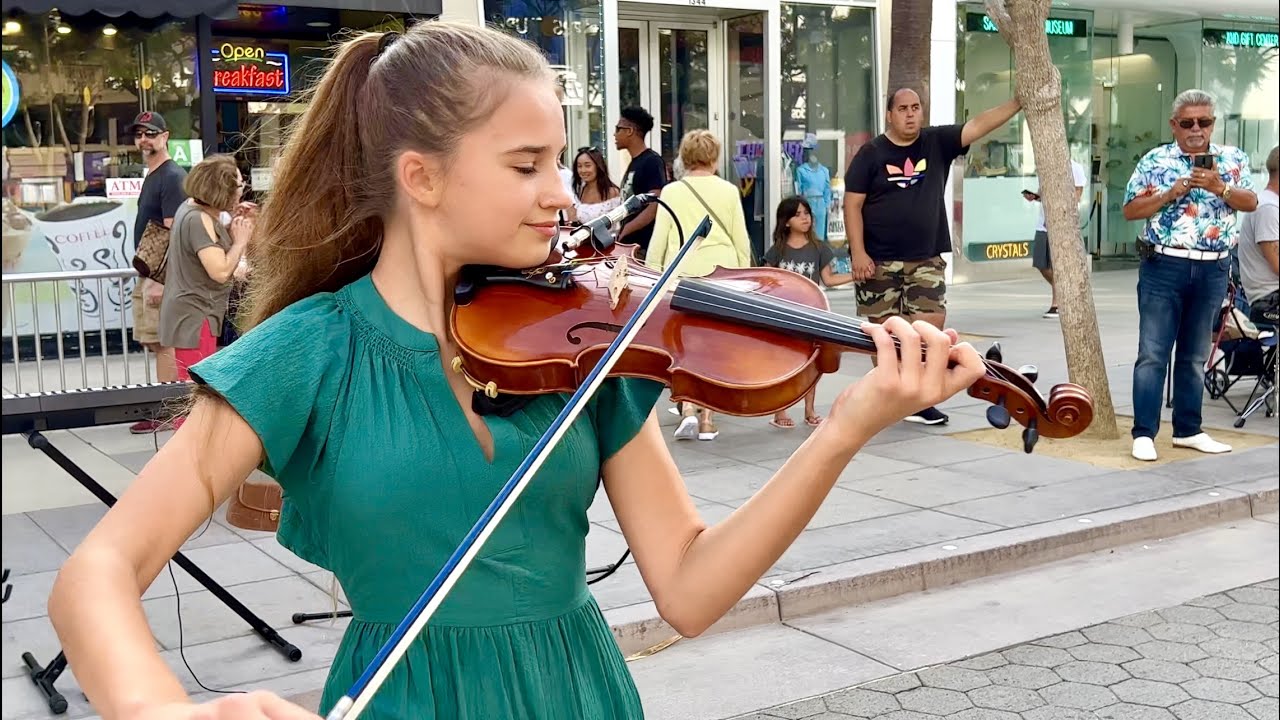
<point>158,201</point>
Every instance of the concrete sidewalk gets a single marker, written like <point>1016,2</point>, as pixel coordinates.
<point>915,510</point>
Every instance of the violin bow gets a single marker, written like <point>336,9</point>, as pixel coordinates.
<point>350,705</point>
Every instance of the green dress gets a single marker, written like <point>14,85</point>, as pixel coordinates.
<point>383,477</point>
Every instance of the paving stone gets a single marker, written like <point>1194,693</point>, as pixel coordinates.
<point>935,701</point>
<point>1142,619</point>
<point>1255,596</point>
<point>989,714</point>
<point>1210,601</point>
<point>1236,630</point>
<point>1057,712</point>
<point>1161,670</point>
<point>1113,634</point>
<point>950,677</point>
<point>1024,676</point>
<point>1172,651</point>
<point>1037,656</point>
<point>1092,673</point>
<point>862,703</point>
<point>1098,652</point>
<point>983,662</point>
<point>907,715</point>
<point>1269,686</point>
<point>1181,632</point>
<point>1209,710</point>
<point>804,709</point>
<point>1129,711</point>
<point>1269,664</point>
<point>1063,641</point>
<point>1228,691</point>
<point>1234,649</point>
<point>1001,697</point>
<point>1078,695</point>
<point>1192,615</point>
<point>1250,613</point>
<point>1149,692</point>
<point>1264,708</point>
<point>1229,669</point>
<point>894,684</point>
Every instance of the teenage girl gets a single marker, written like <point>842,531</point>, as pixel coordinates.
<point>418,155</point>
<point>796,247</point>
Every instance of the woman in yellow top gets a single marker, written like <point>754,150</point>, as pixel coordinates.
<point>698,194</point>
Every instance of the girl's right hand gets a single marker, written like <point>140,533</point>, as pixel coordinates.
<point>241,229</point>
<point>256,705</point>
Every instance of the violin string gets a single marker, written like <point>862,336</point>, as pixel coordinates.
<point>769,307</point>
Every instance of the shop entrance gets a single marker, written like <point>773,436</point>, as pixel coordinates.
<point>700,69</point>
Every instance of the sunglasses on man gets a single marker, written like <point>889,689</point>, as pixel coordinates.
<point>145,133</point>
<point>1188,123</point>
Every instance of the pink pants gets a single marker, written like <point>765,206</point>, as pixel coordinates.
<point>186,357</point>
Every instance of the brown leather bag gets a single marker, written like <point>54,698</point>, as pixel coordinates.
<point>153,248</point>
<point>256,506</point>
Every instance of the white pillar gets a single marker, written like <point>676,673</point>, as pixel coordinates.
<point>942,92</point>
<point>773,115</point>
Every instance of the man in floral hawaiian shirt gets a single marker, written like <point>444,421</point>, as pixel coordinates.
<point>1191,226</point>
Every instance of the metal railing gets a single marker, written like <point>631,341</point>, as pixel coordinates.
<point>47,345</point>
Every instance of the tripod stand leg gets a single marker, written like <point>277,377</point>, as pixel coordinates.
<point>299,618</point>
<point>273,638</point>
<point>45,677</point>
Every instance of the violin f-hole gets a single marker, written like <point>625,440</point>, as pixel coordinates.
<point>590,324</point>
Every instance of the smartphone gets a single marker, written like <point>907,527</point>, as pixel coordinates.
<point>1030,195</point>
<point>1203,161</point>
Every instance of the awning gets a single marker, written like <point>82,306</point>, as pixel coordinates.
<point>218,9</point>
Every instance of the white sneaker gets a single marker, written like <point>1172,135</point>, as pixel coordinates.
<point>687,430</point>
<point>1144,448</point>
<point>1203,443</point>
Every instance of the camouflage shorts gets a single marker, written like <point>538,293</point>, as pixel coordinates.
<point>904,288</point>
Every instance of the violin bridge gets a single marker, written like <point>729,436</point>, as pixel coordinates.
<point>617,283</point>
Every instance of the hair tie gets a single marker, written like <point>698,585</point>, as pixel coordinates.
<point>387,40</point>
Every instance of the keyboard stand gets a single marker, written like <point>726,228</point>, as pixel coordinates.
<point>45,677</point>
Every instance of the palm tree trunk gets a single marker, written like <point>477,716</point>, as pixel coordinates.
<point>911,24</point>
<point>1021,23</point>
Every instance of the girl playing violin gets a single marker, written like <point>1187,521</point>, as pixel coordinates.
<point>418,155</point>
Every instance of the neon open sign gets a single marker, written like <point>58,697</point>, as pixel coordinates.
<point>249,70</point>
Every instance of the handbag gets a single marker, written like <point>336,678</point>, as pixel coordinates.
<point>153,248</point>
<point>256,506</point>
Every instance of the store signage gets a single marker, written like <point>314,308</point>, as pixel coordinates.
<point>249,70</point>
<point>998,251</point>
<point>11,93</point>
<point>124,188</point>
<point>1241,38</point>
<point>1060,27</point>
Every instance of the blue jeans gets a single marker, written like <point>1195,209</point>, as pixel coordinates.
<point>1177,302</point>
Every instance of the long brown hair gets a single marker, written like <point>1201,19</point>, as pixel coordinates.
<point>603,182</point>
<point>321,226</point>
<point>787,209</point>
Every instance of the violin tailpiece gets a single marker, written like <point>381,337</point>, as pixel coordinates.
<point>618,283</point>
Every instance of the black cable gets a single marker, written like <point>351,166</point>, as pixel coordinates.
<point>608,569</point>
<point>177,601</point>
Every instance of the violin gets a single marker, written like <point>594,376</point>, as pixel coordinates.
<point>744,342</point>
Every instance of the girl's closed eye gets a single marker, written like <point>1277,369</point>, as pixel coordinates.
<point>526,169</point>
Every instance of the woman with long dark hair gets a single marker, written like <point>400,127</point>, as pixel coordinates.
<point>595,190</point>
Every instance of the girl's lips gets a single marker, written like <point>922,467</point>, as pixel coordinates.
<point>550,230</point>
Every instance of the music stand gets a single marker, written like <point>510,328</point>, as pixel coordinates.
<point>45,677</point>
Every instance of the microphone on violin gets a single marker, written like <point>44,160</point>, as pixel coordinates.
<point>608,221</point>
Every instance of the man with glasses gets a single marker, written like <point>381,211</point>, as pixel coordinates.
<point>1189,193</point>
<point>646,173</point>
<point>159,199</point>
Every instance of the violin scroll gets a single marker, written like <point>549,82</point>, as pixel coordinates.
<point>1014,396</point>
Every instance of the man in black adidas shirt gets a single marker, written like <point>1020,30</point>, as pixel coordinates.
<point>895,216</point>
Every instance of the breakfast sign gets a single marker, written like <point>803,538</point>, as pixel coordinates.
<point>249,70</point>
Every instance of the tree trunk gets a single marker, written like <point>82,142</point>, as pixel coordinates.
<point>911,25</point>
<point>1021,23</point>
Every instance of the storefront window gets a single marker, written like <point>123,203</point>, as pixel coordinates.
<point>1240,68</point>
<point>72,86</point>
<point>568,31</point>
<point>994,221</point>
<point>829,106</point>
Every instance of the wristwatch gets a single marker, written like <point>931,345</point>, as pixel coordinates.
<point>1226,191</point>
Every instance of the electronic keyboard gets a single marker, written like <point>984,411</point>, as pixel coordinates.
<point>89,407</point>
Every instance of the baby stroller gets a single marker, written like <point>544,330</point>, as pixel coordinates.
<point>1242,350</point>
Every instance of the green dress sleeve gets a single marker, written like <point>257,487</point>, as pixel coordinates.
<point>621,406</point>
<point>283,377</point>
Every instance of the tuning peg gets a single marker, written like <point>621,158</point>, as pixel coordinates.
<point>1030,372</point>
<point>998,415</point>
<point>1029,436</point>
<point>994,353</point>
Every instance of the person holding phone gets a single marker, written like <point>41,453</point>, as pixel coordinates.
<point>1189,192</point>
<point>1040,258</point>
